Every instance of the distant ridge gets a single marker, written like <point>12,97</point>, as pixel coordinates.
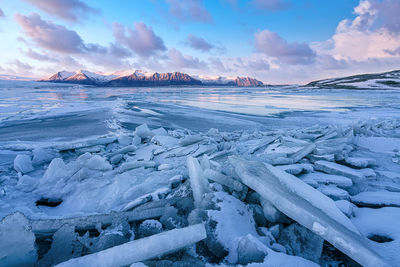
<point>384,80</point>
<point>141,78</point>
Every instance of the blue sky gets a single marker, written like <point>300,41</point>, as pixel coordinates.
<point>276,41</point>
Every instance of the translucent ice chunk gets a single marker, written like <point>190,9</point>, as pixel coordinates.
<point>136,164</point>
<point>223,179</point>
<point>197,181</point>
<point>61,247</point>
<point>142,249</point>
<point>143,131</point>
<point>308,207</point>
<point>17,245</point>
<point>190,139</point>
<point>41,156</point>
<point>98,163</point>
<point>46,226</point>
<point>302,153</point>
<point>337,169</point>
<point>23,163</point>
<point>360,162</point>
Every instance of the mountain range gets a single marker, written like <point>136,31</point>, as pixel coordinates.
<point>141,78</point>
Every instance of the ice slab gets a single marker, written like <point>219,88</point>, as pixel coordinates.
<point>17,246</point>
<point>323,178</point>
<point>134,164</point>
<point>300,241</point>
<point>205,149</point>
<point>23,164</point>
<point>124,150</point>
<point>346,207</point>
<point>333,192</point>
<point>62,246</point>
<point>377,199</point>
<point>249,249</point>
<point>142,249</point>
<point>190,139</point>
<point>41,156</point>
<point>198,183</point>
<point>143,131</point>
<point>360,162</point>
<point>85,143</point>
<point>229,219</point>
<point>296,169</point>
<point>252,146</point>
<point>98,163</point>
<point>302,153</point>
<point>165,141</point>
<point>223,179</point>
<point>308,207</point>
<point>337,169</point>
<point>48,226</point>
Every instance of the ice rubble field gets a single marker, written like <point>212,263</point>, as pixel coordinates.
<point>152,197</point>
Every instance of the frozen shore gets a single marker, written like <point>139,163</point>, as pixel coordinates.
<point>83,197</point>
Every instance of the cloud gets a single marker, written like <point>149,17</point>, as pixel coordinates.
<point>365,18</point>
<point>69,10</point>
<point>273,45</point>
<point>180,61</point>
<point>257,65</point>
<point>373,33</point>
<point>198,43</point>
<point>62,41</point>
<point>51,36</point>
<point>21,67</point>
<point>37,56</point>
<point>270,5</point>
<point>189,10</point>
<point>388,12</point>
<point>141,39</point>
<point>1,13</point>
<point>218,65</point>
<point>394,52</point>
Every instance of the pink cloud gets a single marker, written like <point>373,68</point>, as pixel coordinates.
<point>273,45</point>
<point>51,36</point>
<point>189,10</point>
<point>198,43</point>
<point>180,61</point>
<point>70,10</point>
<point>141,39</point>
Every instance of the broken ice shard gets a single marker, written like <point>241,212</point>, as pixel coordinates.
<point>308,207</point>
<point>142,249</point>
<point>17,245</point>
<point>198,183</point>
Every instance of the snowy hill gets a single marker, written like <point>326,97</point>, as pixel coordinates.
<point>142,78</point>
<point>386,80</point>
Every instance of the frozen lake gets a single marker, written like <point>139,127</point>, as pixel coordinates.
<point>71,151</point>
<point>31,111</point>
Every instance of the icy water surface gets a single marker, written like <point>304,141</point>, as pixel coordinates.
<point>31,111</point>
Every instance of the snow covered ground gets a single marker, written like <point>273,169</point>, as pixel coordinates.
<point>102,170</point>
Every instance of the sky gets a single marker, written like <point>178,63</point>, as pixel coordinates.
<point>275,41</point>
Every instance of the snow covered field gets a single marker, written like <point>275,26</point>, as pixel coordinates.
<point>258,177</point>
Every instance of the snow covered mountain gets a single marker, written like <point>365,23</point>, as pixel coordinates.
<point>232,81</point>
<point>385,80</point>
<point>141,78</point>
